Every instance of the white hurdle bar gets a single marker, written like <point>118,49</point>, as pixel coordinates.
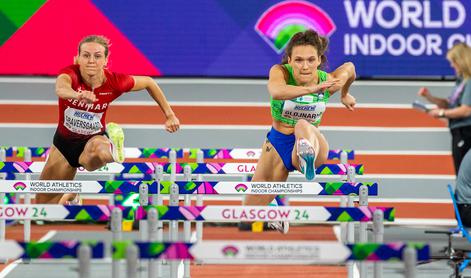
<point>201,188</point>
<point>220,252</point>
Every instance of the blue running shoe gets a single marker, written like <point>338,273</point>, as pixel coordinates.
<point>306,156</point>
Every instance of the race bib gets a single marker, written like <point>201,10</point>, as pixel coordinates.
<point>82,122</point>
<point>303,108</point>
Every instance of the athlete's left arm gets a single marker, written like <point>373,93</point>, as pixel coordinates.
<point>346,74</point>
<point>172,123</point>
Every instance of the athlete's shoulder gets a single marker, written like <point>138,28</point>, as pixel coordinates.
<point>70,70</point>
<point>119,81</point>
<point>73,71</point>
<point>280,70</point>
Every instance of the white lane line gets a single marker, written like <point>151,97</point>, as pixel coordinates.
<point>385,129</point>
<point>337,232</point>
<point>336,199</point>
<point>431,177</point>
<point>228,81</point>
<point>400,152</point>
<point>15,263</point>
<point>313,199</point>
<point>332,199</point>
<point>248,127</point>
<point>423,222</point>
<point>48,236</point>
<point>206,103</point>
<point>356,271</point>
<point>9,268</point>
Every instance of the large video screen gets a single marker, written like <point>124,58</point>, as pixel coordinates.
<point>224,38</point>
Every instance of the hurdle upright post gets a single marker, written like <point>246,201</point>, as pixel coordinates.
<point>132,255</point>
<point>158,200</point>
<point>350,225</point>
<point>117,234</point>
<point>27,201</point>
<point>173,229</point>
<point>410,262</point>
<point>350,237</point>
<point>343,225</point>
<point>111,197</point>
<point>143,230</point>
<point>199,197</point>
<point>187,224</point>
<point>350,203</point>
<point>84,254</point>
<point>159,176</point>
<point>143,201</point>
<point>3,176</point>
<point>378,236</point>
<point>154,266</point>
<point>173,201</point>
<point>343,157</point>
<point>363,232</point>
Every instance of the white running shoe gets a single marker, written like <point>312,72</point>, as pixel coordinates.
<point>280,226</point>
<point>116,136</point>
<point>306,156</point>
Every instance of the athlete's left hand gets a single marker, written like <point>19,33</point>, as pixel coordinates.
<point>172,124</point>
<point>349,101</point>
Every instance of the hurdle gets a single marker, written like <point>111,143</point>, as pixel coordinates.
<point>197,168</point>
<point>225,153</point>
<point>296,214</point>
<point>214,168</point>
<point>171,213</point>
<point>347,229</point>
<point>148,169</point>
<point>219,252</point>
<point>185,187</point>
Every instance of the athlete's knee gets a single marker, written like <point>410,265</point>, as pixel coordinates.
<point>97,150</point>
<point>304,127</point>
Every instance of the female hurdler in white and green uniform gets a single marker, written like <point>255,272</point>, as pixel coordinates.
<point>299,92</point>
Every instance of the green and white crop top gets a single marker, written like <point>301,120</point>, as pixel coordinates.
<point>309,107</point>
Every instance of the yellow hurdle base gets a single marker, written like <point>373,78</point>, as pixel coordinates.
<point>257,227</point>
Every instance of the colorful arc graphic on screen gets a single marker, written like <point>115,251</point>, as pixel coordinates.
<point>281,21</point>
<point>241,187</point>
<point>19,186</point>
<point>230,251</point>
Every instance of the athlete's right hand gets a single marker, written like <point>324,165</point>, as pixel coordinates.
<point>86,97</point>
<point>334,83</point>
<point>424,92</point>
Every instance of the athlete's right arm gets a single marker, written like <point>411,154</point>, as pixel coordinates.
<point>64,90</point>
<point>278,88</point>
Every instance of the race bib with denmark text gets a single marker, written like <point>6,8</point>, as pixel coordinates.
<point>82,122</point>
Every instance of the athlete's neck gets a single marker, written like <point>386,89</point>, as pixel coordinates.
<point>313,82</point>
<point>94,81</point>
